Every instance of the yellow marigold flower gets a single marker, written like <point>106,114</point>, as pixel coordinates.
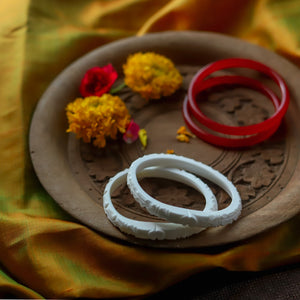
<point>151,75</point>
<point>97,118</point>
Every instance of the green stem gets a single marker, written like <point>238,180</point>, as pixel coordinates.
<point>117,88</point>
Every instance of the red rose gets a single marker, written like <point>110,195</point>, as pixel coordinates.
<point>98,81</point>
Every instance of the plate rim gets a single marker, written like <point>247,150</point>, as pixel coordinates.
<point>38,152</point>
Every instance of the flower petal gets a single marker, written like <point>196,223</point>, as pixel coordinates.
<point>143,137</point>
<point>132,132</point>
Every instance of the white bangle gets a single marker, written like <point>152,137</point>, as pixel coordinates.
<point>156,230</point>
<point>205,218</point>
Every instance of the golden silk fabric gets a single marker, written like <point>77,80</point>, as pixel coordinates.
<point>43,251</point>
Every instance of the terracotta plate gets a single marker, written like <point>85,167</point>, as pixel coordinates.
<point>267,175</point>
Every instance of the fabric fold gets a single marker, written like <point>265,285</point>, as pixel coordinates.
<point>44,252</point>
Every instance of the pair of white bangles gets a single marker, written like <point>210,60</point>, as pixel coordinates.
<point>182,222</point>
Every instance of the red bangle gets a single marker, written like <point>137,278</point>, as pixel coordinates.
<point>227,141</point>
<point>197,85</point>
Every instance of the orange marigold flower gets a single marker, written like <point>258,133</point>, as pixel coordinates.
<point>97,118</point>
<point>151,75</point>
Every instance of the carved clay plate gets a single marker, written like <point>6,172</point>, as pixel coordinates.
<point>266,175</point>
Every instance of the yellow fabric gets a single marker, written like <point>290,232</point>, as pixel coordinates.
<point>43,251</point>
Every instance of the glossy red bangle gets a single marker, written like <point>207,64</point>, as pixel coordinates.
<point>229,141</point>
<point>197,85</point>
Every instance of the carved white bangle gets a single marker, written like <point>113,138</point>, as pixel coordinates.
<point>180,215</point>
<point>156,230</point>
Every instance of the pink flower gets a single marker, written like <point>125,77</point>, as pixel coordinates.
<point>132,132</point>
<point>98,81</point>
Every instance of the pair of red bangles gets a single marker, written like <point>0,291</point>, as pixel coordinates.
<point>240,136</point>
